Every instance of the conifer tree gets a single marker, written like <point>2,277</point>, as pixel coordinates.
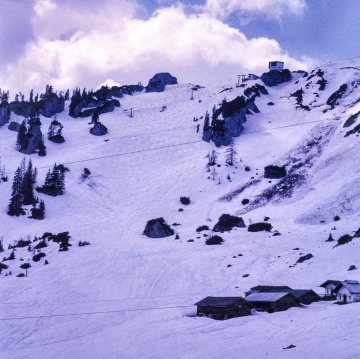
<point>206,122</point>
<point>16,200</point>
<point>27,185</point>
<point>231,154</point>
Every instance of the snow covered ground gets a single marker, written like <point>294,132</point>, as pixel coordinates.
<point>129,296</point>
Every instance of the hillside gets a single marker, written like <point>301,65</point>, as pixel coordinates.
<point>129,296</point>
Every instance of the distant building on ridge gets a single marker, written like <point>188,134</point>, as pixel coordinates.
<point>276,65</point>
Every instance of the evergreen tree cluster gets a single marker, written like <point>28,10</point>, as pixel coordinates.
<point>4,96</point>
<point>54,181</point>
<point>23,192</point>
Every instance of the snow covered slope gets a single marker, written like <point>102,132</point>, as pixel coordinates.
<point>129,296</point>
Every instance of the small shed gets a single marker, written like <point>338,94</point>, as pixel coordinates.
<point>329,287</point>
<point>276,65</point>
<point>348,291</point>
<point>305,296</point>
<point>223,307</point>
<point>273,302</point>
<point>268,289</point>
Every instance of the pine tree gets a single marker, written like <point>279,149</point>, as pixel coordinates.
<point>27,185</point>
<point>16,200</point>
<point>231,154</point>
<point>206,122</point>
<point>31,96</point>
<point>38,210</point>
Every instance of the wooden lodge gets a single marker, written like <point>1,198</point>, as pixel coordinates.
<point>305,296</point>
<point>273,301</point>
<point>268,289</point>
<point>223,307</point>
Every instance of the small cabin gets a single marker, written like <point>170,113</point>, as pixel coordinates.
<point>273,302</point>
<point>329,287</point>
<point>347,291</point>
<point>276,65</point>
<point>223,307</point>
<point>305,296</point>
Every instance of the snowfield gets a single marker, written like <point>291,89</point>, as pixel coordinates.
<point>129,296</point>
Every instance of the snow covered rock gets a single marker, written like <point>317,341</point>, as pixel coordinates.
<point>30,138</point>
<point>158,82</point>
<point>99,129</point>
<point>158,228</point>
<point>274,78</point>
<point>54,132</point>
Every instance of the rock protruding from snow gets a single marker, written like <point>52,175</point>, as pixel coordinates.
<point>274,78</point>
<point>14,126</point>
<point>30,138</point>
<point>158,82</point>
<point>99,129</point>
<point>54,132</point>
<point>51,104</point>
<point>274,172</point>
<point>227,222</point>
<point>158,228</point>
<point>4,113</point>
<point>227,121</point>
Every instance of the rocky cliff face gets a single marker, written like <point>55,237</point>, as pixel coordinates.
<point>274,78</point>
<point>158,82</point>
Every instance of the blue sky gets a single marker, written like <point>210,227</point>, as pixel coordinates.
<point>85,42</point>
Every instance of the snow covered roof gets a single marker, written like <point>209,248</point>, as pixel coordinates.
<point>266,297</point>
<point>220,301</point>
<point>353,286</point>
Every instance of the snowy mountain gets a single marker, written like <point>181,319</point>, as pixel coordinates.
<point>129,296</point>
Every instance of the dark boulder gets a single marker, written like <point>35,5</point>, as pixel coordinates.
<point>158,228</point>
<point>357,233</point>
<point>351,120</point>
<point>99,129</point>
<point>227,222</point>
<point>260,226</point>
<point>51,104</point>
<point>304,258</point>
<point>275,77</point>
<point>274,172</point>
<point>14,126</point>
<point>158,82</point>
<point>4,113</point>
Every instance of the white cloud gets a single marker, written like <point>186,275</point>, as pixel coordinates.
<point>82,48</point>
<point>270,8</point>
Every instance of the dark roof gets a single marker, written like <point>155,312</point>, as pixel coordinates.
<point>220,301</point>
<point>271,288</point>
<point>330,281</point>
<point>267,297</point>
<point>298,293</point>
